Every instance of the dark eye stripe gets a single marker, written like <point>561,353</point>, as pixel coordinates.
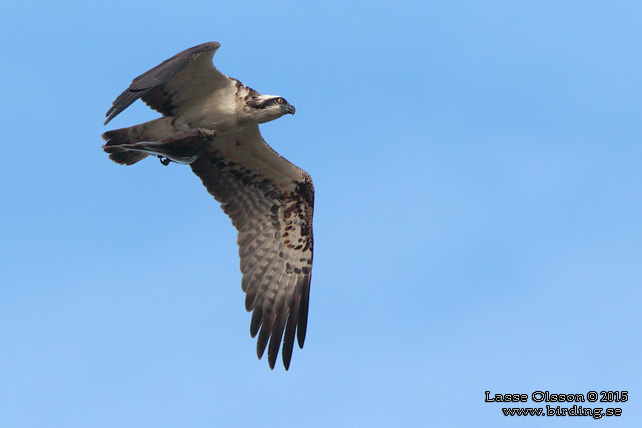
<point>264,104</point>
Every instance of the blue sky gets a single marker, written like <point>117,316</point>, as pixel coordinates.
<point>477,223</point>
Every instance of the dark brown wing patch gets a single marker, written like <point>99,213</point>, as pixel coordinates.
<point>275,245</point>
<point>150,85</point>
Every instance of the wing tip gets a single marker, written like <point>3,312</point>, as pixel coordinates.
<point>212,45</point>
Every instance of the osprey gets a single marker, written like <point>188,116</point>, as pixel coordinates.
<point>211,122</point>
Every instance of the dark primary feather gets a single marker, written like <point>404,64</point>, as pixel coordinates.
<point>275,246</point>
<point>157,77</point>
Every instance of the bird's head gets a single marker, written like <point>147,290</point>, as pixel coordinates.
<point>264,108</point>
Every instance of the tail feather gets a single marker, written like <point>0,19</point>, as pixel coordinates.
<point>123,156</point>
<point>153,130</point>
<point>180,147</point>
<point>127,158</point>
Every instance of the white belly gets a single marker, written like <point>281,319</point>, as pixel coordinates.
<point>217,112</point>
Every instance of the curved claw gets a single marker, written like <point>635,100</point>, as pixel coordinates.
<point>165,161</point>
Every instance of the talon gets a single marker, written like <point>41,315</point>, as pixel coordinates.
<point>165,161</point>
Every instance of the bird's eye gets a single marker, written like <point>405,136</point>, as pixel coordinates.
<point>280,100</point>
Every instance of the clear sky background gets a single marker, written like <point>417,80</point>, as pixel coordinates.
<point>478,221</point>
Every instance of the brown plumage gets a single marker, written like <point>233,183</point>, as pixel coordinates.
<point>211,122</point>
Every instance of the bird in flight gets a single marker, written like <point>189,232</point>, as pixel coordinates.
<point>211,122</point>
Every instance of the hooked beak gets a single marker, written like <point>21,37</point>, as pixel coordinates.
<point>289,108</point>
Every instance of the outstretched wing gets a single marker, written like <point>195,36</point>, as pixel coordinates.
<point>270,202</point>
<point>185,77</point>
